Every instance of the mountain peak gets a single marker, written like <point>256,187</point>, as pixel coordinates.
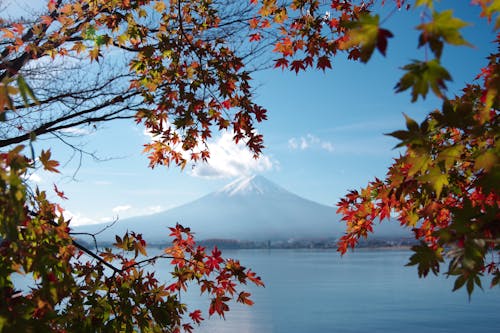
<point>250,185</point>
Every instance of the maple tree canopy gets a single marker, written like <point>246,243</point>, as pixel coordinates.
<point>185,74</point>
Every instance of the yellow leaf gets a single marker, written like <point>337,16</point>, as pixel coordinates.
<point>94,54</point>
<point>5,100</point>
<point>436,179</point>
<point>486,161</point>
<point>122,39</point>
<point>419,160</point>
<point>450,155</point>
<point>160,6</point>
<point>7,33</point>
<point>79,47</point>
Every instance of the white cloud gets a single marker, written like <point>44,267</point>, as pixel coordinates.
<point>310,142</point>
<point>76,131</point>
<point>228,159</point>
<point>304,144</point>
<point>35,178</point>
<point>154,209</point>
<point>327,146</point>
<point>78,219</point>
<point>122,208</point>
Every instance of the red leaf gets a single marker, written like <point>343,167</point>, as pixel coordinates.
<point>382,37</point>
<point>297,65</point>
<point>255,37</point>
<point>254,23</point>
<point>60,194</point>
<point>196,316</point>
<point>226,104</point>
<point>282,62</point>
<point>323,63</point>
<point>243,298</point>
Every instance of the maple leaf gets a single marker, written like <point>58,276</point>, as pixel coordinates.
<point>426,259</point>
<point>196,316</point>
<point>7,34</point>
<point>226,104</point>
<point>255,37</point>
<point>243,298</point>
<point>95,53</point>
<point>323,63</point>
<point>51,5</point>
<point>437,179</point>
<point>25,90</point>
<point>383,35</point>
<point>254,23</point>
<point>427,3</point>
<point>252,276</point>
<point>48,164</point>
<point>59,193</point>
<point>5,100</point>
<point>159,6</point>
<point>422,75</point>
<point>297,66</point>
<point>366,34</point>
<point>487,160</point>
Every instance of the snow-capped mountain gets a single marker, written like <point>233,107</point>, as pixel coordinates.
<point>253,185</point>
<point>250,208</point>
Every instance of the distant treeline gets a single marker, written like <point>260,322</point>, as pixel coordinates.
<point>299,243</point>
<point>330,243</point>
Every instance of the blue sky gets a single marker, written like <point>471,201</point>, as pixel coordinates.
<point>323,137</point>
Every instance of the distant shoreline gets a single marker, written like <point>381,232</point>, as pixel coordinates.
<point>378,243</point>
<point>372,244</point>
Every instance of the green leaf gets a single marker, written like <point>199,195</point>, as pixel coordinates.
<point>101,40</point>
<point>419,161</point>
<point>366,34</point>
<point>486,161</point>
<point>460,115</point>
<point>426,259</point>
<point>3,321</point>
<point>496,279</point>
<point>470,286</point>
<point>420,76</point>
<point>450,155</point>
<point>437,179</point>
<point>490,180</point>
<point>492,9</point>
<point>459,282</point>
<point>442,27</point>
<point>25,90</point>
<point>89,33</point>
<point>401,135</point>
<point>411,124</point>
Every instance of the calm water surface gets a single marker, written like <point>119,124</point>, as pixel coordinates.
<point>367,291</point>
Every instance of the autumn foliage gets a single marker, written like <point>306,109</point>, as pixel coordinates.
<point>74,289</point>
<point>186,79</point>
<point>445,184</point>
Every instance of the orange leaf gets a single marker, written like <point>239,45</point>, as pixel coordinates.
<point>48,164</point>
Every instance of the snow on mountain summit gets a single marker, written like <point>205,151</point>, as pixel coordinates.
<point>256,185</point>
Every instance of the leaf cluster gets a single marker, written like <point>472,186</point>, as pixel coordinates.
<point>81,290</point>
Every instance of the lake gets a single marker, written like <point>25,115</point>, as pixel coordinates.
<point>366,291</point>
